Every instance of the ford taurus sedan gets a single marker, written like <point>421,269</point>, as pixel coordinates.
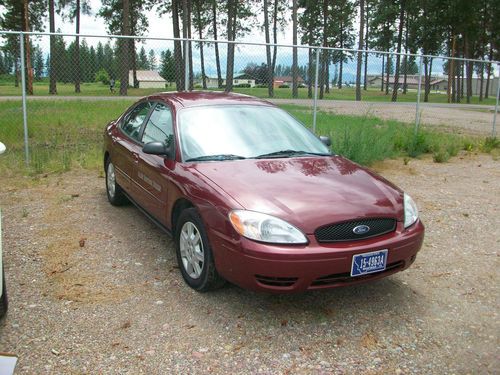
<point>253,197</point>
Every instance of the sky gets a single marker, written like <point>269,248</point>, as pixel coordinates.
<point>161,27</point>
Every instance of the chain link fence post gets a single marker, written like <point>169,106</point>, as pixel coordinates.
<point>419,90</point>
<point>186,65</point>
<point>23,88</point>
<point>494,128</point>
<point>315,104</point>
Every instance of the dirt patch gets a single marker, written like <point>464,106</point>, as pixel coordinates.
<point>117,304</point>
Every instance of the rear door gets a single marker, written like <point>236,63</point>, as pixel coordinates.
<point>153,171</point>
<point>127,147</point>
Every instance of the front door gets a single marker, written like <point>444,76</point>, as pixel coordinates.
<point>153,173</point>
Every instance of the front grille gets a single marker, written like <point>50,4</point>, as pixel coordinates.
<point>339,278</point>
<point>344,231</point>
<point>276,281</point>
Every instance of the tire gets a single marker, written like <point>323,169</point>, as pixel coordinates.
<point>4,301</point>
<point>194,254</point>
<point>114,191</point>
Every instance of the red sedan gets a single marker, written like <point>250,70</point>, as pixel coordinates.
<point>253,197</point>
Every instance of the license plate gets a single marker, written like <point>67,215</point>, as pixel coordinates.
<point>363,264</point>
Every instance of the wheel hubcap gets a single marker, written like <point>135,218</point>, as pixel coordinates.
<point>191,247</point>
<point>110,179</point>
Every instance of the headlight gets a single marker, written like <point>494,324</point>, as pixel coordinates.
<point>266,228</point>
<point>411,211</point>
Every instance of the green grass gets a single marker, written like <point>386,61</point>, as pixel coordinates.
<point>62,134</point>
<point>348,93</point>
<point>366,139</point>
<point>67,134</point>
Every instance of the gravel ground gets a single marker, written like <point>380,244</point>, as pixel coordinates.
<point>96,289</point>
<point>467,119</point>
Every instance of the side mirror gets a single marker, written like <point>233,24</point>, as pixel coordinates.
<point>157,148</point>
<point>2,148</point>
<point>326,140</point>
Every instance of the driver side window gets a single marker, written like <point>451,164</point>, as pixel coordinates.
<point>134,120</point>
<point>159,127</point>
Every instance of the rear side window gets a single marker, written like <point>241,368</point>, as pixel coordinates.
<point>159,127</point>
<point>134,120</point>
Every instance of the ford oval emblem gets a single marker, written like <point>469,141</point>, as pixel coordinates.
<point>361,229</point>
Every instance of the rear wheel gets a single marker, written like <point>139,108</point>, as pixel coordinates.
<point>114,191</point>
<point>194,253</point>
<point>4,301</point>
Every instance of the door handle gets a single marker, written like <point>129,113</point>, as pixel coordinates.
<point>135,157</point>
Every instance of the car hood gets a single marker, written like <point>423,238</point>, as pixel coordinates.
<point>308,192</point>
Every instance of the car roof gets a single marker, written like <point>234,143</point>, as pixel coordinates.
<point>187,99</point>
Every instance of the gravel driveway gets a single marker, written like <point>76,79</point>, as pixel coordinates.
<point>95,289</point>
<point>458,118</point>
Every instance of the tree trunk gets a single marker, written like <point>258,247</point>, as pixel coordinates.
<point>231,33</point>
<point>382,75</point>
<point>481,84</point>
<point>428,75</point>
<point>200,36</point>
<point>405,64</point>
<point>269,82</point>
<point>469,68</point>
<point>327,73</point>
<point>324,54</point>
<point>295,70</point>
<point>365,80</point>
<point>190,47</point>
<point>76,61</point>
<point>217,57</point>
<point>52,69</point>
<point>124,49</point>
<point>462,79</point>
<point>27,50</point>
<point>451,71</point>
<point>360,46</point>
<point>398,56</point>
<point>179,66</point>
<point>490,57</point>
<point>387,71</point>
<point>275,35</point>
<point>341,65</point>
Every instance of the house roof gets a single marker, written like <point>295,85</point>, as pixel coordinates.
<point>146,76</point>
<point>243,76</point>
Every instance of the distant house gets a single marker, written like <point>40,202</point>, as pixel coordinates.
<point>212,82</point>
<point>437,83</point>
<point>148,79</point>
<point>286,80</point>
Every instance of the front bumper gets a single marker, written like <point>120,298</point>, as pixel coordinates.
<point>287,269</point>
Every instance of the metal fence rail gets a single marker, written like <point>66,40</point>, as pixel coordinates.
<point>404,87</point>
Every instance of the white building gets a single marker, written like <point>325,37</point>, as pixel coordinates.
<point>148,79</point>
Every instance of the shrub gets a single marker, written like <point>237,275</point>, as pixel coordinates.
<point>441,156</point>
<point>490,143</point>
<point>245,85</point>
<point>261,86</point>
<point>284,86</point>
<point>102,76</point>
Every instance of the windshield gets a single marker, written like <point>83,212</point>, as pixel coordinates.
<point>243,131</point>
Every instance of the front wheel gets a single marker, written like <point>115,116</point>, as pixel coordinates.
<point>194,253</point>
<point>114,191</point>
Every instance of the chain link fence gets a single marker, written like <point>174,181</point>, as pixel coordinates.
<point>57,91</point>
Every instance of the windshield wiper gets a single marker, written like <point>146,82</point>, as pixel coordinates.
<point>217,157</point>
<point>288,153</point>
